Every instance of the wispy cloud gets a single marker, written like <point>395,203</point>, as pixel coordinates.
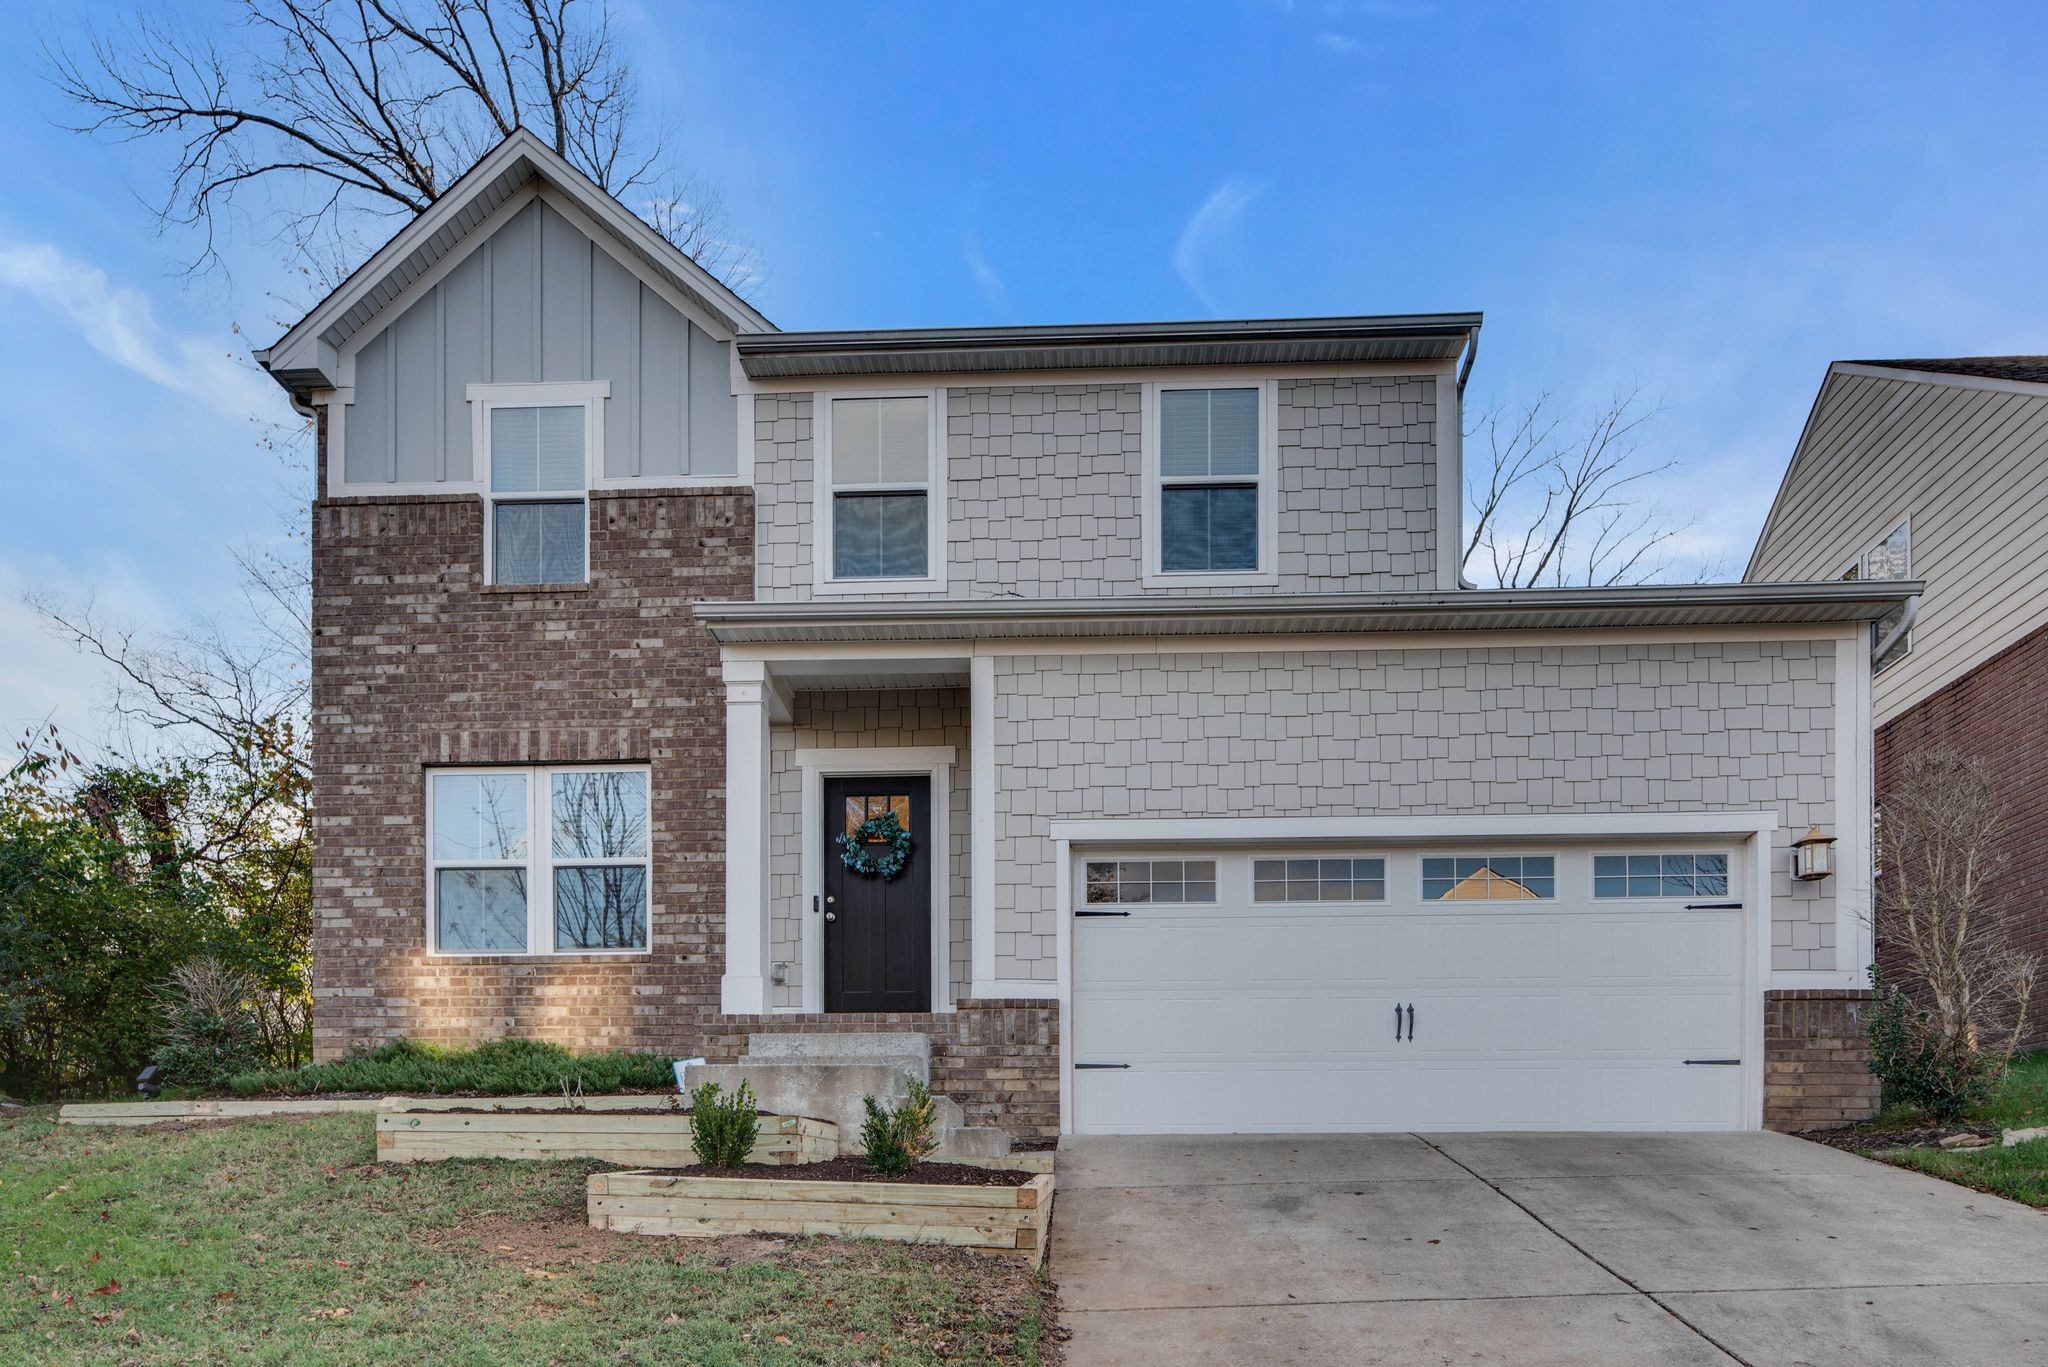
<point>119,323</point>
<point>994,292</point>
<point>1338,44</point>
<point>1207,229</point>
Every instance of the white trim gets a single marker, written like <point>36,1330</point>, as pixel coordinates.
<point>1855,763</point>
<point>1450,483</point>
<point>933,762</point>
<point>1220,376</point>
<point>1266,482</point>
<point>1748,831</point>
<point>540,862</point>
<point>981,816</point>
<point>1409,829</point>
<point>934,490</point>
<point>749,946</point>
<point>484,400</point>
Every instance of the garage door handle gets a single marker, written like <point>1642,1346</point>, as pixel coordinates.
<point>1411,1022</point>
<point>1713,1063</point>
<point>1397,1022</point>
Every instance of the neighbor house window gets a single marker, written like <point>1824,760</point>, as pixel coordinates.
<point>1319,880</point>
<point>1210,460</point>
<point>1151,880</point>
<point>1660,875</point>
<point>1489,878</point>
<point>881,513</point>
<point>1890,558</point>
<point>578,886</point>
<point>538,445</point>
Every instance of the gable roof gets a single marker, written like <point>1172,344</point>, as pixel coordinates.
<point>307,356</point>
<point>2026,369</point>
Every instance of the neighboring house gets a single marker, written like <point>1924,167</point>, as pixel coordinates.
<point>1226,807</point>
<point>1937,471</point>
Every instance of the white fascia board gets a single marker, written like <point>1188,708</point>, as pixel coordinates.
<point>1560,825</point>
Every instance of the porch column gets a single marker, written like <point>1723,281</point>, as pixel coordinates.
<point>748,695</point>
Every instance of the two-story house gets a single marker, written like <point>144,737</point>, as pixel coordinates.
<point>1100,702</point>
<point>1936,471</point>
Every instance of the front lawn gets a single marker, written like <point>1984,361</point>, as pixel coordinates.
<point>282,1241</point>
<point>2019,1173</point>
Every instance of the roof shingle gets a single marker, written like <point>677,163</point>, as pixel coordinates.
<point>2031,369</point>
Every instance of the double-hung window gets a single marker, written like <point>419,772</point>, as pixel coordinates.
<point>881,509</point>
<point>1210,513</point>
<point>539,444</point>
<point>537,861</point>
<point>1890,558</point>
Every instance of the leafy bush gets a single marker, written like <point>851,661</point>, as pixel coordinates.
<point>1908,1055</point>
<point>508,1067</point>
<point>896,1140</point>
<point>210,1031</point>
<point>722,1130</point>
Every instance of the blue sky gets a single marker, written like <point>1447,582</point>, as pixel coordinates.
<point>1710,201</point>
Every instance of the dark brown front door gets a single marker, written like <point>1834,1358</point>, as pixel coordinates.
<point>878,941</point>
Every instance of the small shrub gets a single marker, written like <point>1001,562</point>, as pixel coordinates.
<point>722,1129</point>
<point>1908,1056</point>
<point>896,1140</point>
<point>207,1030</point>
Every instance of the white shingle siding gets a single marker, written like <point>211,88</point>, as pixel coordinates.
<point>1044,486</point>
<point>1518,729</point>
<point>862,719</point>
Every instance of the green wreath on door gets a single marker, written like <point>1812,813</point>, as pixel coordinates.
<point>858,851</point>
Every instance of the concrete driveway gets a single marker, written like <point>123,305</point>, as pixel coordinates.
<point>1534,1249</point>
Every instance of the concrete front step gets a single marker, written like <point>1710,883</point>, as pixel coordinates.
<point>900,1049</point>
<point>833,1091</point>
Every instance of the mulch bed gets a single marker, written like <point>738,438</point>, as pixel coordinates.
<point>850,1169</point>
<point>1868,1139</point>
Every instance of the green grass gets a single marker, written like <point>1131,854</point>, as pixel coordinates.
<point>281,1241</point>
<point>500,1068</point>
<point>2020,1172</point>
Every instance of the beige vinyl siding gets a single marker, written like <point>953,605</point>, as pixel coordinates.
<point>1969,466</point>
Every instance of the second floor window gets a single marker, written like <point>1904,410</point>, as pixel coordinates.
<point>1890,558</point>
<point>1209,462</point>
<point>880,478</point>
<point>538,443</point>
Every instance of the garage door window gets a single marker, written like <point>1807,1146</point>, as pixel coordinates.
<point>1660,875</point>
<point>1489,878</point>
<point>1152,880</point>
<point>1319,880</point>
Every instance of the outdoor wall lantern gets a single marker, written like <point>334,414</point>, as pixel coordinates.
<point>1813,855</point>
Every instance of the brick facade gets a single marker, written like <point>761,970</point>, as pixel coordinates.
<point>1817,1059</point>
<point>1997,712</point>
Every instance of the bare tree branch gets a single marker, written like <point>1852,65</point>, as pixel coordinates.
<point>374,107</point>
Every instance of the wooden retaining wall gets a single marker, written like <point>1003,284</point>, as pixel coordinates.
<point>1012,1221</point>
<point>154,1112</point>
<point>633,1140</point>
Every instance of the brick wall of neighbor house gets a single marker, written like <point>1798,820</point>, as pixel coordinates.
<point>1994,712</point>
<point>1639,727</point>
<point>1817,1059</point>
<point>1044,486</point>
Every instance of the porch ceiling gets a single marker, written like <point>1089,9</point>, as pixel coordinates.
<point>1223,615</point>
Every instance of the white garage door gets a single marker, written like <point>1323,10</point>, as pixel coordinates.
<point>1431,989</point>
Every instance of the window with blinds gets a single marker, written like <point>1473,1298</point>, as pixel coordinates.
<point>536,499</point>
<point>1211,473</point>
<point>880,477</point>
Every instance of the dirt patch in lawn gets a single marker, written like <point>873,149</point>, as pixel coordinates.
<point>1874,1139</point>
<point>848,1168</point>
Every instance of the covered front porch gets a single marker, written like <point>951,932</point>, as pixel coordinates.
<point>816,746</point>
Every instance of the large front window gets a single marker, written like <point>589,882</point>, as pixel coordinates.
<point>880,472</point>
<point>579,888</point>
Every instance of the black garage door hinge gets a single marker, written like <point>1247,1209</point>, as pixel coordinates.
<point>1102,913</point>
<point>1713,1063</point>
<point>1079,1066</point>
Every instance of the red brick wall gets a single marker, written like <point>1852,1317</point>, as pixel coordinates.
<point>1999,713</point>
<point>1817,1059</point>
<point>415,663</point>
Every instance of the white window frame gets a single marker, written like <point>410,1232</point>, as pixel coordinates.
<point>1267,572</point>
<point>1855,571</point>
<point>485,399</point>
<point>540,862</point>
<point>933,488</point>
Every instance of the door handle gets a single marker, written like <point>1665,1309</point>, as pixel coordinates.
<point>831,915</point>
<point>1397,1022</point>
<point>1411,1022</point>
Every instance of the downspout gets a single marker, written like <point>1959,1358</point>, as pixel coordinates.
<point>1898,631</point>
<point>1464,374</point>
